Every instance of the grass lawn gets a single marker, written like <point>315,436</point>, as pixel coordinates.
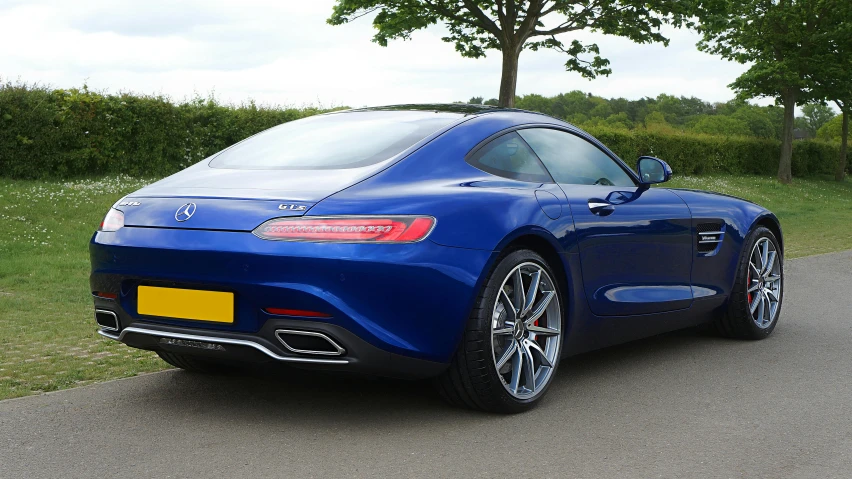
<point>47,330</point>
<point>815,214</point>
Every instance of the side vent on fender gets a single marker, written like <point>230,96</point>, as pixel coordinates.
<point>709,235</point>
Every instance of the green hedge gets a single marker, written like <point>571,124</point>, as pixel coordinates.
<point>694,154</point>
<point>47,133</point>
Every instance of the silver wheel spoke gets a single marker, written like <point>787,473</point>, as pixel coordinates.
<point>764,255</point>
<point>771,295</point>
<point>507,305</point>
<point>542,331</point>
<point>754,303</point>
<point>755,287</point>
<point>531,293</point>
<point>517,364</point>
<point>534,346</point>
<point>767,308</point>
<point>529,372</point>
<point>504,331</point>
<point>507,355</point>
<point>541,308</point>
<point>770,262</point>
<point>754,271</point>
<point>518,291</point>
<point>760,307</point>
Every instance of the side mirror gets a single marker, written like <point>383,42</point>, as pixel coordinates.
<point>653,170</point>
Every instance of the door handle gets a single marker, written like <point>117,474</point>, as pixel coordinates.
<point>600,207</point>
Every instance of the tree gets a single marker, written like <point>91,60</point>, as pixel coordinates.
<point>834,80</point>
<point>757,119</point>
<point>831,131</point>
<point>721,125</point>
<point>816,115</point>
<point>780,39</point>
<point>511,26</point>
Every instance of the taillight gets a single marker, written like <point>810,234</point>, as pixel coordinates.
<point>348,229</point>
<point>113,221</point>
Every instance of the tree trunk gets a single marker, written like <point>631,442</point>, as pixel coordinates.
<point>844,138</point>
<point>785,167</point>
<point>509,78</point>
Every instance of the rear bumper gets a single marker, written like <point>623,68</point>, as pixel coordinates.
<point>262,347</point>
<point>391,307</point>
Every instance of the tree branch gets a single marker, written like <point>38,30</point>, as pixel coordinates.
<point>484,21</point>
<point>529,22</point>
<point>366,12</point>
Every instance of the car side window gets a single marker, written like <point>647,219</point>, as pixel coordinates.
<point>509,156</point>
<point>573,160</point>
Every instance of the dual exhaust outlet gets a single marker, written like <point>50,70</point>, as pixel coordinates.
<point>308,342</point>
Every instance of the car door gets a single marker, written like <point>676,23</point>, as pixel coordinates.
<point>635,242</point>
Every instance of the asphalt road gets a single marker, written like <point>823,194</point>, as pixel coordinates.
<point>681,405</point>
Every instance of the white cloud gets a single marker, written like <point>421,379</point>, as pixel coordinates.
<point>282,51</point>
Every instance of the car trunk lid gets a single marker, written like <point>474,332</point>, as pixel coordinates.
<point>207,198</point>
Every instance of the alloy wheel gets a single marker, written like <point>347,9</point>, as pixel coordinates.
<point>526,325</point>
<point>764,283</point>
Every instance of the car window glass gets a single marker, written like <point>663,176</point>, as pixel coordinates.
<point>510,157</point>
<point>334,141</point>
<point>571,159</point>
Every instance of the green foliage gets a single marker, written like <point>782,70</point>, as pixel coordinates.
<point>760,121</point>
<point>664,113</point>
<point>778,39</point>
<point>697,154</point>
<point>721,125</point>
<point>47,133</point>
<point>816,115</point>
<point>831,130</point>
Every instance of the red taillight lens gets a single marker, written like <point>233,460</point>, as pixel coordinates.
<point>351,229</point>
<point>113,221</point>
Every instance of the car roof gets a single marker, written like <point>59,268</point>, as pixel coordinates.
<point>461,108</point>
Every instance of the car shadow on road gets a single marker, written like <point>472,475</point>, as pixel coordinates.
<point>293,395</point>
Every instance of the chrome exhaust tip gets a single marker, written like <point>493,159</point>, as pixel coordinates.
<point>308,342</point>
<point>107,320</point>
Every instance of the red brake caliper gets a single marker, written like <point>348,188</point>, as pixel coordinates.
<point>748,285</point>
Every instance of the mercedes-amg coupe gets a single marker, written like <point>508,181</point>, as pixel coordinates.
<point>476,246</point>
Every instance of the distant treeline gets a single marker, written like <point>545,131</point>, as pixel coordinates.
<point>672,114</point>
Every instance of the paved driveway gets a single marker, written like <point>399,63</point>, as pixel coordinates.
<point>681,405</point>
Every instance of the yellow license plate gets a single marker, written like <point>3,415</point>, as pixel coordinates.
<point>216,306</point>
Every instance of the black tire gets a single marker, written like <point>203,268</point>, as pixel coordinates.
<point>472,379</point>
<point>195,364</point>
<point>737,322</point>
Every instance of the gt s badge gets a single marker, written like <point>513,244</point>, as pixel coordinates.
<point>292,207</point>
<point>129,203</point>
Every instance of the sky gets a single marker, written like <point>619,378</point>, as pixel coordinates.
<point>282,52</point>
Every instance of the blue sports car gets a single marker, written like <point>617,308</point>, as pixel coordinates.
<point>476,246</point>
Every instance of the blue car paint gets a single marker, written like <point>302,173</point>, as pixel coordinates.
<point>407,298</point>
<point>414,299</point>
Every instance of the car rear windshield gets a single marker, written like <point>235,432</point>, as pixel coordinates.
<point>334,141</point>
